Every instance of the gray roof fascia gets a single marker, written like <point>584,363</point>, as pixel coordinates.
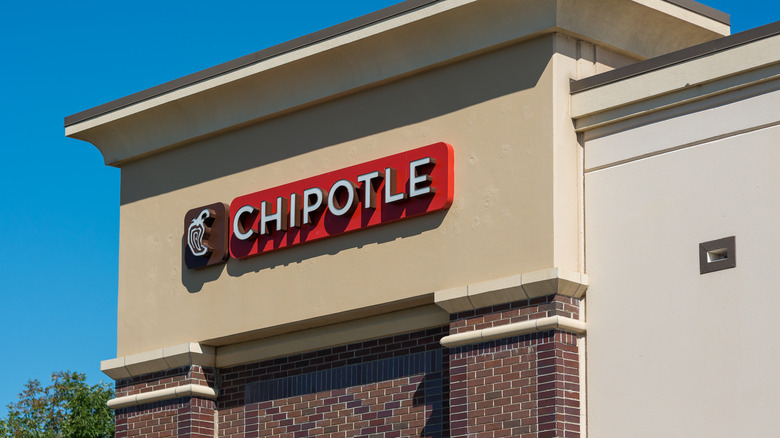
<point>702,9</point>
<point>244,61</point>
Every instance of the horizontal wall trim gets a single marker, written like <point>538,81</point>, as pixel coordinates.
<point>194,353</point>
<point>498,291</point>
<point>188,390</point>
<point>191,353</point>
<point>515,329</point>
<point>388,324</point>
<point>526,286</point>
<point>683,146</point>
<point>713,92</point>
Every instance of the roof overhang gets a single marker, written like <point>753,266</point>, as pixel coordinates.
<point>371,50</point>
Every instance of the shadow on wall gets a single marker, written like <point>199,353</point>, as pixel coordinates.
<point>403,102</point>
<point>400,103</point>
<point>194,280</point>
<point>355,389</point>
<point>433,391</point>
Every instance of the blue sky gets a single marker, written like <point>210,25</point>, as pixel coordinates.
<point>59,202</point>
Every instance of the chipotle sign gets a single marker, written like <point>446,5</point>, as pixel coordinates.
<point>377,192</point>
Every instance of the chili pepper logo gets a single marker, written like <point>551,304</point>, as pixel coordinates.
<point>198,234</point>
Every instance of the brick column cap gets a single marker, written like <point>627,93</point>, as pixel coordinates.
<point>515,329</point>
<point>189,390</point>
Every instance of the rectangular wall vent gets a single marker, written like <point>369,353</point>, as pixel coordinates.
<point>717,254</point>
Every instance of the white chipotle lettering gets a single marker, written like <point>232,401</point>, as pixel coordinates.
<point>341,199</point>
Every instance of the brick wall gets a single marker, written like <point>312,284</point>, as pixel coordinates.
<point>398,386</point>
<point>184,416</point>
<point>389,387</point>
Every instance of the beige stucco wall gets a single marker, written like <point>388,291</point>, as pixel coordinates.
<point>671,352</point>
<point>494,109</point>
<point>517,202</point>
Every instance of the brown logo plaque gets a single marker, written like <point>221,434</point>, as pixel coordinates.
<point>206,235</point>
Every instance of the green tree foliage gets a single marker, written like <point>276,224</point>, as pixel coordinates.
<point>68,407</point>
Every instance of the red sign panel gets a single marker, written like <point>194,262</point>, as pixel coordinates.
<point>381,191</point>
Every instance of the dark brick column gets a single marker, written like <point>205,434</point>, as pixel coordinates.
<point>183,416</point>
<point>521,386</point>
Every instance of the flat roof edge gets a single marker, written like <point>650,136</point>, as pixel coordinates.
<point>677,57</point>
<point>253,58</point>
<point>702,9</point>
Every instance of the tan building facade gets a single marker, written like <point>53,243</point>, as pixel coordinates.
<point>430,221</point>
